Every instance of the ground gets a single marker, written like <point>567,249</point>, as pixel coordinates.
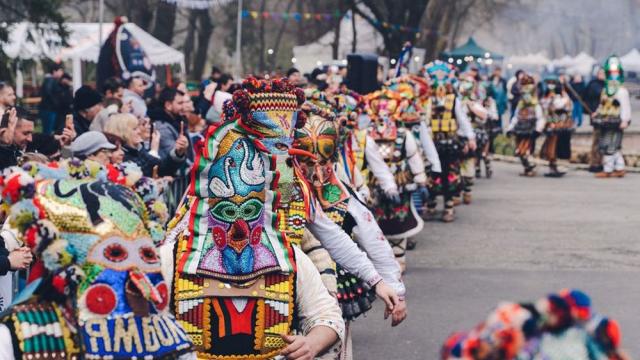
<point>520,239</point>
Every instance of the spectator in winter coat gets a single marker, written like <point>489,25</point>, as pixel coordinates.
<point>127,127</point>
<point>170,123</point>
<point>87,103</point>
<point>134,95</point>
<point>51,92</point>
<point>7,96</point>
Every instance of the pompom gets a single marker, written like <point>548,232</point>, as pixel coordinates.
<point>15,185</point>
<point>57,255</point>
<point>241,101</point>
<point>229,111</point>
<point>300,96</point>
<point>301,120</point>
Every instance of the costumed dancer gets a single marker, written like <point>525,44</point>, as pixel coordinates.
<point>468,95</point>
<point>449,122</point>
<point>557,327</point>
<point>486,134</point>
<point>339,202</point>
<point>528,121</point>
<point>612,116</point>
<point>397,219</point>
<point>557,107</point>
<point>97,290</point>
<point>415,90</point>
<point>235,234</point>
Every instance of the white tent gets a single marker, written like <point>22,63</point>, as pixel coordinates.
<point>582,64</point>
<point>562,62</point>
<point>320,52</point>
<point>25,42</point>
<point>631,61</point>
<point>528,61</point>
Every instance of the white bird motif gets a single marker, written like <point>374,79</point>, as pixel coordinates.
<point>220,188</point>
<point>255,174</point>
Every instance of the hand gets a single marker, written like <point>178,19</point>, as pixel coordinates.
<point>624,125</point>
<point>182,142</point>
<point>299,348</point>
<point>20,259</point>
<point>594,114</point>
<point>209,90</point>
<point>394,196</point>
<point>386,294</point>
<point>6,134</point>
<point>399,314</point>
<point>510,133</point>
<point>155,141</point>
<point>67,136</point>
<point>127,107</point>
<point>472,145</point>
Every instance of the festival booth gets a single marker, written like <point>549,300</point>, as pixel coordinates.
<point>28,42</point>
<point>582,64</point>
<point>468,53</point>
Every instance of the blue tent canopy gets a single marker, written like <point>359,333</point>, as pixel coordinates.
<point>470,48</point>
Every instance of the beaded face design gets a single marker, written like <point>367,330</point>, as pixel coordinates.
<point>122,297</point>
<point>235,217</point>
<point>274,116</point>
<point>319,137</point>
<point>382,111</point>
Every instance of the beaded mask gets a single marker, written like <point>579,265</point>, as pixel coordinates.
<point>94,243</point>
<point>383,109</point>
<point>238,182</point>
<point>320,137</point>
<point>614,75</point>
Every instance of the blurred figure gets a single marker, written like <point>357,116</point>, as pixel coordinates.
<point>50,93</point>
<point>87,103</point>
<point>134,95</point>
<point>203,103</point>
<point>577,84</point>
<point>93,145</point>
<point>592,99</point>
<point>514,91</point>
<point>7,96</point>
<point>113,88</point>
<point>295,77</point>
<point>64,101</point>
<point>499,91</point>
<point>47,145</point>
<point>117,155</point>
<point>111,106</point>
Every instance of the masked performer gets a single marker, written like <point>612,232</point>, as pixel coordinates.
<point>557,107</point>
<point>97,291</point>
<point>397,217</point>
<point>320,138</point>
<point>449,125</point>
<point>528,121</point>
<point>471,100</point>
<point>612,116</point>
<point>233,239</point>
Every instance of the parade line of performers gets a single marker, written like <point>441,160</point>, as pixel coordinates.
<point>297,217</point>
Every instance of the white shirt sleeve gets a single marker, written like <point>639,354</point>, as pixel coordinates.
<point>6,344</point>
<point>464,125</point>
<point>342,249</point>
<point>480,111</point>
<point>429,147</point>
<point>369,236</point>
<point>414,159</point>
<point>625,104</point>
<point>540,120</point>
<point>378,167</point>
<point>316,307</point>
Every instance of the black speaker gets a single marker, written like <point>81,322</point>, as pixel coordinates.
<point>362,71</point>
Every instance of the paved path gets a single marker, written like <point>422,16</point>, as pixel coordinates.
<point>521,239</point>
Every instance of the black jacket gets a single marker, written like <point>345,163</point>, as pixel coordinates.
<point>166,166</point>
<point>5,265</point>
<point>80,123</point>
<point>592,94</point>
<point>9,155</point>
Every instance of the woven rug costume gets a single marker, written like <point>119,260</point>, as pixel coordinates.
<point>527,122</point>
<point>96,291</point>
<point>557,327</point>
<point>613,115</point>
<point>448,122</point>
<point>397,218</point>
<point>557,107</point>
<point>239,283</point>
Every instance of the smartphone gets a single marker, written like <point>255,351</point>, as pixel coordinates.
<point>68,121</point>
